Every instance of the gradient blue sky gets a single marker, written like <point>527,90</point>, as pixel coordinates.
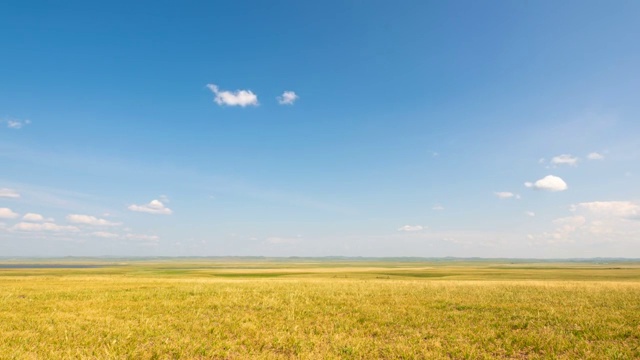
<point>415,128</point>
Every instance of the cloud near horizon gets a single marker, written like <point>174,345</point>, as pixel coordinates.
<point>153,207</point>
<point>29,226</point>
<point>411,228</point>
<point>141,237</point>
<point>621,209</point>
<point>596,222</point>
<point>89,220</point>
<point>105,235</point>
<point>240,98</point>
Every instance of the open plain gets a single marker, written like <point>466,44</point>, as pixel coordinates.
<point>318,309</point>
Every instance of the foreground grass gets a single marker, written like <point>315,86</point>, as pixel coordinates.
<point>160,311</point>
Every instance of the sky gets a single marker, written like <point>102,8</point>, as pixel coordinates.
<point>333,128</point>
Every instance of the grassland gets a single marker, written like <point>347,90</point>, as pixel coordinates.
<point>306,309</point>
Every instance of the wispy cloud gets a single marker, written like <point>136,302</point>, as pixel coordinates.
<point>287,98</point>
<point>105,235</point>
<point>564,159</point>
<point>530,213</point>
<point>276,240</point>
<point>89,220</point>
<point>142,237</point>
<point>548,183</point>
<point>28,226</point>
<point>437,207</point>
<point>153,207</point>
<point>595,156</point>
<point>410,228</point>
<point>506,195</point>
<point>9,193</point>
<point>15,123</point>
<point>623,209</point>
<point>240,98</point>
<point>596,222</point>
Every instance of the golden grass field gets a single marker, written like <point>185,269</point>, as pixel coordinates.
<point>259,309</point>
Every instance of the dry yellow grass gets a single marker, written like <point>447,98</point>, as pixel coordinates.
<point>394,312</point>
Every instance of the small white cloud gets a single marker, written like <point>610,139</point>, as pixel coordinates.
<point>16,124</point>
<point>595,156</point>
<point>153,207</point>
<point>287,98</point>
<point>564,159</point>
<point>33,217</point>
<point>141,237</point>
<point>104,235</point>
<point>26,226</point>
<point>89,220</point>
<point>9,193</point>
<point>164,199</point>
<point>506,195</point>
<point>548,183</point>
<point>240,98</point>
<point>437,207</point>
<point>410,228</point>
<point>6,213</point>
<point>530,213</point>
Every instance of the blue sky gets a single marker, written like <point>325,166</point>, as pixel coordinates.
<point>377,128</point>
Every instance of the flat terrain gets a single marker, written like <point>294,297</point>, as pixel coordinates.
<point>313,309</point>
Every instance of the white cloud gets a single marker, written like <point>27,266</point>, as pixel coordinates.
<point>597,222</point>
<point>287,98</point>
<point>530,213</point>
<point>233,98</point>
<point>25,226</point>
<point>142,237</point>
<point>33,217</point>
<point>622,209</point>
<point>153,207</point>
<point>595,156</point>
<point>565,159</point>
<point>548,183</point>
<point>437,207</point>
<point>506,195</point>
<point>9,193</point>
<point>164,199</point>
<point>410,228</point>
<point>16,124</point>
<point>105,235</point>
<point>6,213</point>
<point>89,220</point>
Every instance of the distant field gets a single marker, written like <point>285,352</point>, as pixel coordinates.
<point>259,309</point>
